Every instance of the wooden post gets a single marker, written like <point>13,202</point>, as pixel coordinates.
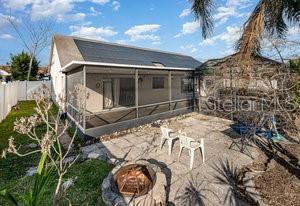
<point>199,93</point>
<point>170,89</point>
<point>137,92</point>
<point>194,90</point>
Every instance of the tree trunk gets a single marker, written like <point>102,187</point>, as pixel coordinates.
<point>30,67</point>
<point>58,193</point>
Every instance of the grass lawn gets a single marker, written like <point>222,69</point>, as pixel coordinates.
<point>13,166</point>
<point>85,191</point>
<point>90,174</point>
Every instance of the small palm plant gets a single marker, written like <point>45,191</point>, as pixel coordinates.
<point>237,193</point>
<point>193,193</point>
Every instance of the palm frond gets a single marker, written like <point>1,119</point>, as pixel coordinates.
<point>292,11</point>
<point>202,10</point>
<point>274,22</point>
<point>249,43</point>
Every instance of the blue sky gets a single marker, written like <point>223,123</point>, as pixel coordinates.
<point>161,24</point>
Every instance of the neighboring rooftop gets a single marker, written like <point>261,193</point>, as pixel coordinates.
<point>231,61</point>
<point>79,49</point>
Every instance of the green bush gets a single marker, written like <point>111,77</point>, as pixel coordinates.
<point>20,65</point>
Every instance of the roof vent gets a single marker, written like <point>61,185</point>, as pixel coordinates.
<point>158,64</point>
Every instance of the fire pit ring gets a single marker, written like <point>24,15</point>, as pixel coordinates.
<point>135,179</point>
<point>153,191</point>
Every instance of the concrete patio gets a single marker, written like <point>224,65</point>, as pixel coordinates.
<point>144,144</point>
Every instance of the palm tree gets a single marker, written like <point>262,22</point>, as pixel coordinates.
<point>272,16</point>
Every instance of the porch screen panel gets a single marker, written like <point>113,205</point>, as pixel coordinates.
<point>76,95</point>
<point>182,84</point>
<point>111,96</point>
<point>153,92</point>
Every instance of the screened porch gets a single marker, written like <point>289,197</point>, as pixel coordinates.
<point>122,96</point>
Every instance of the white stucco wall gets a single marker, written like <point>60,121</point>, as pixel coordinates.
<point>147,95</point>
<point>58,78</point>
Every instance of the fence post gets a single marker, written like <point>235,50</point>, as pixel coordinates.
<point>26,90</point>
<point>1,102</point>
<point>4,101</point>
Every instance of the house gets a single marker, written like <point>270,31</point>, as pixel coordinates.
<point>42,72</point>
<point>5,74</point>
<point>228,86</point>
<point>118,86</point>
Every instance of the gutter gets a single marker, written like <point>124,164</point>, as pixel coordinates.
<point>74,64</point>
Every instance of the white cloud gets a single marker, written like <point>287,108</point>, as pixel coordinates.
<point>230,36</point>
<point>241,4</point>
<point>16,4</point>
<point>156,43</point>
<point>101,2</point>
<point>224,13</point>
<point>293,31</point>
<point>188,28</point>
<point>6,37</point>
<point>99,33</point>
<point>235,2</point>
<point>74,17</point>
<point>232,9</point>
<point>207,41</point>
<point>189,48</point>
<point>3,20</point>
<point>121,41</point>
<point>57,9</point>
<point>184,13</point>
<point>144,32</point>
<point>116,5</point>
<point>94,12</point>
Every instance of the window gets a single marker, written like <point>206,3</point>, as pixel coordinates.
<point>186,85</point>
<point>158,82</point>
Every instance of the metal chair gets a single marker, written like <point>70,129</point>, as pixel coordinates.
<point>167,136</point>
<point>192,146</point>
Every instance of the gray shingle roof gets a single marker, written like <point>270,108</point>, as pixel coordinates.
<point>75,49</point>
<point>95,51</point>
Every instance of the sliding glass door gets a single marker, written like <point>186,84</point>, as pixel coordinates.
<point>118,92</point>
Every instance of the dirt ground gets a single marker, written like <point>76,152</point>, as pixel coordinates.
<point>278,176</point>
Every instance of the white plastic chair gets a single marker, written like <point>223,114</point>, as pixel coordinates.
<point>166,136</point>
<point>192,146</point>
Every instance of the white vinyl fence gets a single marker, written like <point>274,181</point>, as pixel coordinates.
<point>12,92</point>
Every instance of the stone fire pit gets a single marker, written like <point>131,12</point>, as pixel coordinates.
<point>118,188</point>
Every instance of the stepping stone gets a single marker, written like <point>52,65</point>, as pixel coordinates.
<point>31,171</point>
<point>31,145</point>
<point>93,155</point>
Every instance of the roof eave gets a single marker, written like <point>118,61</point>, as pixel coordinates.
<point>75,64</point>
